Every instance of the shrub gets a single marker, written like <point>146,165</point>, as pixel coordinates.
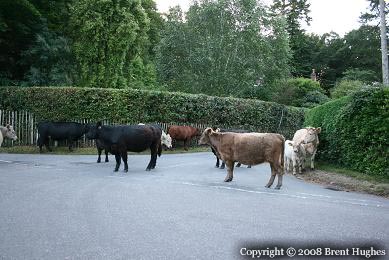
<point>346,87</point>
<point>299,92</point>
<point>355,131</point>
<point>131,105</point>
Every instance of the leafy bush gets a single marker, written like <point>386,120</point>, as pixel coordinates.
<point>299,92</point>
<point>131,105</point>
<point>366,76</point>
<point>346,87</point>
<point>355,131</point>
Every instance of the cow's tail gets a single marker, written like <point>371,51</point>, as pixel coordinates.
<point>282,155</point>
<point>159,149</point>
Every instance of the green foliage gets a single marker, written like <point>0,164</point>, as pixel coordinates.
<point>130,105</point>
<point>366,76</point>
<point>299,92</point>
<point>110,41</point>
<point>355,131</point>
<point>226,48</point>
<point>19,22</point>
<point>346,87</point>
<point>50,60</point>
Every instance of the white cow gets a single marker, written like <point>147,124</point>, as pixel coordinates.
<point>7,132</point>
<point>309,139</point>
<point>293,156</point>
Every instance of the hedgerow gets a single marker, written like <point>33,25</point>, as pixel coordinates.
<point>131,105</point>
<point>355,131</point>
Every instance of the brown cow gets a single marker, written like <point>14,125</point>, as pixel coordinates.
<point>183,133</point>
<point>249,149</point>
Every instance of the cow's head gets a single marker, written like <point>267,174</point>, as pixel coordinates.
<point>10,132</point>
<point>204,139</point>
<point>93,131</point>
<point>311,135</point>
<point>166,140</point>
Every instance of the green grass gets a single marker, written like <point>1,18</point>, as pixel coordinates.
<point>325,166</point>
<point>88,150</point>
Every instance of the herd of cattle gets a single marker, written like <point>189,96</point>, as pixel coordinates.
<point>230,146</point>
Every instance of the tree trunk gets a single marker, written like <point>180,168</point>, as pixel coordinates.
<point>384,48</point>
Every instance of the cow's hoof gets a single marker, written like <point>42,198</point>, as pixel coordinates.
<point>147,169</point>
<point>227,179</point>
<point>249,166</point>
<point>116,170</point>
<point>98,161</point>
<point>106,161</point>
<point>267,186</point>
<point>277,187</point>
<point>222,167</point>
<point>125,170</point>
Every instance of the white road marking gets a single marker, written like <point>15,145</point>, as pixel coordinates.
<point>307,195</point>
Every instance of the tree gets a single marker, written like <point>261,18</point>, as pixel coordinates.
<point>295,12</point>
<point>227,47</point>
<point>20,21</point>
<point>108,37</point>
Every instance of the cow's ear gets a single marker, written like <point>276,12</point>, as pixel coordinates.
<point>290,144</point>
<point>318,130</point>
<point>208,131</point>
<point>8,126</point>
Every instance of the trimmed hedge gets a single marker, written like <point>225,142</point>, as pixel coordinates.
<point>355,131</point>
<point>131,105</point>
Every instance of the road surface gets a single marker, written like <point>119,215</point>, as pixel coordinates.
<point>70,207</point>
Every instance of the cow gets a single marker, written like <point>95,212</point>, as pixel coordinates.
<point>249,149</point>
<point>214,151</point>
<point>166,141</point>
<point>293,156</point>
<point>7,132</point>
<point>70,131</point>
<point>309,139</point>
<point>183,133</point>
<point>122,138</point>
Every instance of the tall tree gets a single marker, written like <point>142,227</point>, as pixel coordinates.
<point>296,12</point>
<point>109,36</point>
<point>20,21</point>
<point>227,47</point>
<point>384,45</point>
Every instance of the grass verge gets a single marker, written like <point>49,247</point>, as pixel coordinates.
<point>339,178</point>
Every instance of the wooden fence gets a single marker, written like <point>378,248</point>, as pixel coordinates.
<point>25,125</point>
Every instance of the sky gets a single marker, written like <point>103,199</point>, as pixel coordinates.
<point>340,16</point>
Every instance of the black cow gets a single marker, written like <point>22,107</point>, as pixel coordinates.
<point>135,138</point>
<point>69,131</point>
<point>215,152</point>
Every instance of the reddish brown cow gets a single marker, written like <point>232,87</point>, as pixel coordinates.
<point>183,133</point>
<point>248,148</point>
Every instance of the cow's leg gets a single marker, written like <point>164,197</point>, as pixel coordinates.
<point>186,141</point>
<point>153,158</point>
<point>223,165</point>
<point>273,175</point>
<point>47,144</point>
<point>98,155</point>
<point>230,171</point>
<point>238,164</point>
<point>70,145</point>
<point>217,162</point>
<point>279,184</point>
<point>106,156</point>
<point>124,157</point>
<point>40,144</point>
<point>313,159</point>
<point>117,158</point>
<point>249,166</point>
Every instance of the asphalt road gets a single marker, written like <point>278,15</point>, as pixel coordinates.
<point>70,207</point>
